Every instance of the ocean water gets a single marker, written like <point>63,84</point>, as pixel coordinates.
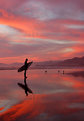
<point>56,96</point>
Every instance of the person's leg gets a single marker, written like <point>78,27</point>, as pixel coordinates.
<point>25,74</point>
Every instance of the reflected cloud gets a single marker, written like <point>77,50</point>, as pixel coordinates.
<point>46,107</point>
<point>56,96</point>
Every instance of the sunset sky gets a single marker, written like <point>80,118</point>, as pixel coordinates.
<point>41,30</point>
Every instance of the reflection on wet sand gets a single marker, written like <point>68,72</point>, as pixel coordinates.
<point>77,74</point>
<point>60,107</point>
<point>25,87</point>
<point>56,97</point>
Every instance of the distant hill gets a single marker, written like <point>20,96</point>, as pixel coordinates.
<point>74,62</point>
<point>9,66</point>
<point>68,63</point>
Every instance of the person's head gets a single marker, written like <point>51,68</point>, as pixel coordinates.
<point>26,59</point>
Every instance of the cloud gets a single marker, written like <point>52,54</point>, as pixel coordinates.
<point>62,9</point>
<point>40,27</point>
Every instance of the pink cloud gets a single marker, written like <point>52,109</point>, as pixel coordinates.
<point>40,28</point>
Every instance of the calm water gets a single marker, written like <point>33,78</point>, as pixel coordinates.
<point>57,96</point>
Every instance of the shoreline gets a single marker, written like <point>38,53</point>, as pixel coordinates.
<point>2,68</point>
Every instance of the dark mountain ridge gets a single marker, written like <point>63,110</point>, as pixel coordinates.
<point>68,63</point>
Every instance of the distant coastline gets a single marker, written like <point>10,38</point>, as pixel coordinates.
<point>15,68</point>
<point>73,63</point>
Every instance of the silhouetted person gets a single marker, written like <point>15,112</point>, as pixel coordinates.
<point>25,67</point>
<point>46,71</point>
<point>26,61</point>
<point>58,71</point>
<point>25,86</point>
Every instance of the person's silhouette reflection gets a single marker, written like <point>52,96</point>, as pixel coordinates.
<point>25,86</point>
